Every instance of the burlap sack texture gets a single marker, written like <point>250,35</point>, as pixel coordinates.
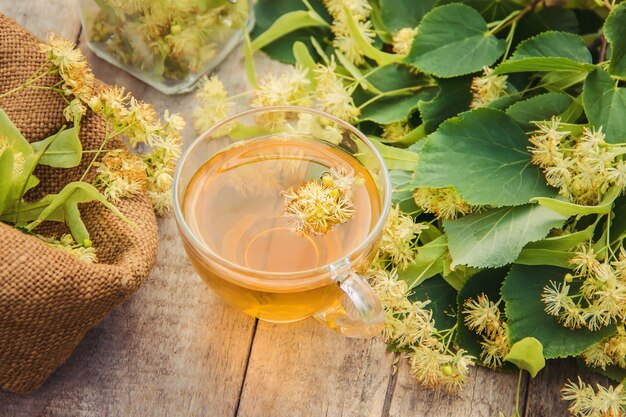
<point>49,299</point>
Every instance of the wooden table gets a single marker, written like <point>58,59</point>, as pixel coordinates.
<point>176,350</point>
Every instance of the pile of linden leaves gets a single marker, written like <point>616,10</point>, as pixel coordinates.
<point>504,127</point>
<point>118,172</point>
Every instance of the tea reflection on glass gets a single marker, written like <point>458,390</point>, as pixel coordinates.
<point>230,208</point>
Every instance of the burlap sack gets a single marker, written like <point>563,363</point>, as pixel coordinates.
<point>49,299</point>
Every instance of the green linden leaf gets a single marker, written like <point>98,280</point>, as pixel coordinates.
<point>267,12</point>
<point>402,192</point>
<point>62,150</point>
<point>442,301</point>
<point>396,158</point>
<point>605,105</point>
<point>487,282</point>
<point>445,48</point>
<point>537,108</point>
<point>454,97</point>
<point>564,242</point>
<point>7,183</point>
<point>392,109</point>
<point>287,23</point>
<point>394,77</point>
<point>530,256</point>
<point>398,14</point>
<point>10,132</point>
<point>489,160</point>
<point>568,209</point>
<point>493,10</point>
<point>527,354</point>
<point>65,205</point>
<point>549,51</point>
<point>495,237</point>
<point>615,33</point>
<point>526,314</point>
<point>428,262</point>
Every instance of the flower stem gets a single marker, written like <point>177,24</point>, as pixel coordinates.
<point>26,84</point>
<point>391,93</point>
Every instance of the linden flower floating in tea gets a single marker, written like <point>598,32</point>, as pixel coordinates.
<point>318,205</point>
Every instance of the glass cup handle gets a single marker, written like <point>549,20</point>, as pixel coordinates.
<point>358,312</point>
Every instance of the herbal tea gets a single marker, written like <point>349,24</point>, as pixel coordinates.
<point>236,205</point>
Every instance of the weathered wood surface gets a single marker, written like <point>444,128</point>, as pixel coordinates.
<point>176,350</point>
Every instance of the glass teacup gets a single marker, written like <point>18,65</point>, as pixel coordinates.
<point>229,193</point>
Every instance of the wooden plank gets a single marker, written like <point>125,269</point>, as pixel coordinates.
<point>486,394</point>
<point>42,17</point>
<point>304,369</point>
<point>544,396</point>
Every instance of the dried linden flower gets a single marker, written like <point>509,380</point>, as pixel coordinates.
<point>67,244</point>
<point>318,205</point>
<point>120,174</point>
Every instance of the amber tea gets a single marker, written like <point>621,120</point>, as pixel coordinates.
<point>235,205</point>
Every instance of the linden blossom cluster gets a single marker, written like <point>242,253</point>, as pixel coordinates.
<point>483,317</point>
<point>120,173</point>
<point>601,402</point>
<point>434,358</point>
<point>583,167</point>
<point>600,298</point>
<point>293,87</point>
<point>317,206</point>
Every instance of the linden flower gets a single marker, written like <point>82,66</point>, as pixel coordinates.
<point>582,167</point>
<point>600,296</point>
<point>291,87</point>
<point>71,65</point>
<point>74,110</point>
<point>403,40</point>
<point>609,352</point>
<point>359,10</point>
<point>445,203</point>
<point>67,244</point>
<point>601,402</point>
<point>545,150</point>
<point>483,317</point>
<point>395,132</point>
<point>214,104</point>
<point>331,95</point>
<point>435,368</point>
<point>487,88</point>
<point>398,242</point>
<point>317,206</point>
<point>120,174</point>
